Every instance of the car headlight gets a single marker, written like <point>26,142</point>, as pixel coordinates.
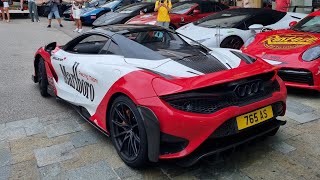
<point>249,41</point>
<point>311,54</point>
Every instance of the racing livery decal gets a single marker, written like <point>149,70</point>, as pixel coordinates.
<point>288,41</point>
<point>83,87</point>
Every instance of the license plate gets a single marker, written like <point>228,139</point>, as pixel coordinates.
<point>254,117</point>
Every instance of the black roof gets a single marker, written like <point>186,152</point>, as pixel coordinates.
<point>125,28</point>
<point>253,11</point>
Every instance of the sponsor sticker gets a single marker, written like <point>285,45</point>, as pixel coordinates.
<point>82,86</point>
<point>289,41</point>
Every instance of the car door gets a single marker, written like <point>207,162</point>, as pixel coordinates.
<point>63,62</point>
<point>98,71</point>
<point>68,63</point>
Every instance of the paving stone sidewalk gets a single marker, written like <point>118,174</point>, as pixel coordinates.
<point>56,143</point>
<point>63,146</point>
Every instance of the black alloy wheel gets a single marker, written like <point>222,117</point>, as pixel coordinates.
<point>128,132</point>
<point>42,78</point>
<point>232,42</point>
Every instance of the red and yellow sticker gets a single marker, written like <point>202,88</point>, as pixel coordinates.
<point>289,41</point>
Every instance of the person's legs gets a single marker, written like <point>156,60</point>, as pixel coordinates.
<point>2,13</point>
<point>57,16</point>
<point>166,24</point>
<point>30,7</point>
<point>35,9</point>
<point>21,5</point>
<point>49,19</point>
<point>6,10</point>
<point>8,14</point>
<point>79,23</point>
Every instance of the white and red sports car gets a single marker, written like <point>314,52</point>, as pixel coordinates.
<point>160,97</point>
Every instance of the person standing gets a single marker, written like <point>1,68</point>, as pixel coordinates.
<point>282,5</point>
<point>76,12</point>
<point>1,9</point>
<point>6,10</point>
<point>54,10</point>
<point>33,10</point>
<point>163,7</point>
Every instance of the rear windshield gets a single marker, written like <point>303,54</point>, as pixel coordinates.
<point>225,20</point>
<point>129,9</point>
<point>182,8</point>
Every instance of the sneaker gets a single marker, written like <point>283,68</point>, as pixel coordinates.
<point>80,30</point>
<point>49,26</point>
<point>61,25</point>
<point>32,20</point>
<point>76,30</point>
<point>38,20</point>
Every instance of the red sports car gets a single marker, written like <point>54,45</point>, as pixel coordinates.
<point>296,51</point>
<point>182,13</point>
<point>159,97</point>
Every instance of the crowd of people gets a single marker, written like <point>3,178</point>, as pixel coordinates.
<point>163,8</point>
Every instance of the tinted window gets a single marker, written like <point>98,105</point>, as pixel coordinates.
<point>114,49</point>
<point>182,8</point>
<point>158,39</point>
<point>222,6</point>
<point>222,19</point>
<point>88,44</point>
<point>207,7</point>
<point>264,19</point>
<point>111,4</point>
<point>308,24</point>
<point>129,9</point>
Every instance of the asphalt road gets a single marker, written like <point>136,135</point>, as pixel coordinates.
<point>19,97</point>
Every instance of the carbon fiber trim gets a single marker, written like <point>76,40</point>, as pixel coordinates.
<point>203,63</point>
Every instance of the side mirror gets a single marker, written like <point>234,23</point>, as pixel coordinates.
<point>256,27</point>
<point>50,47</point>
<point>196,12</point>
<point>293,23</point>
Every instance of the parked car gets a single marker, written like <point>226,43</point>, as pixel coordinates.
<point>231,28</point>
<point>67,14</point>
<point>159,97</point>
<point>296,51</point>
<point>182,13</point>
<point>123,14</point>
<point>89,15</point>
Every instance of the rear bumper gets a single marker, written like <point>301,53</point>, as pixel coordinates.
<point>188,131</point>
<point>300,78</point>
<point>215,146</point>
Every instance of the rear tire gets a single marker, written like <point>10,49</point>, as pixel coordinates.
<point>42,78</point>
<point>233,42</point>
<point>128,132</point>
